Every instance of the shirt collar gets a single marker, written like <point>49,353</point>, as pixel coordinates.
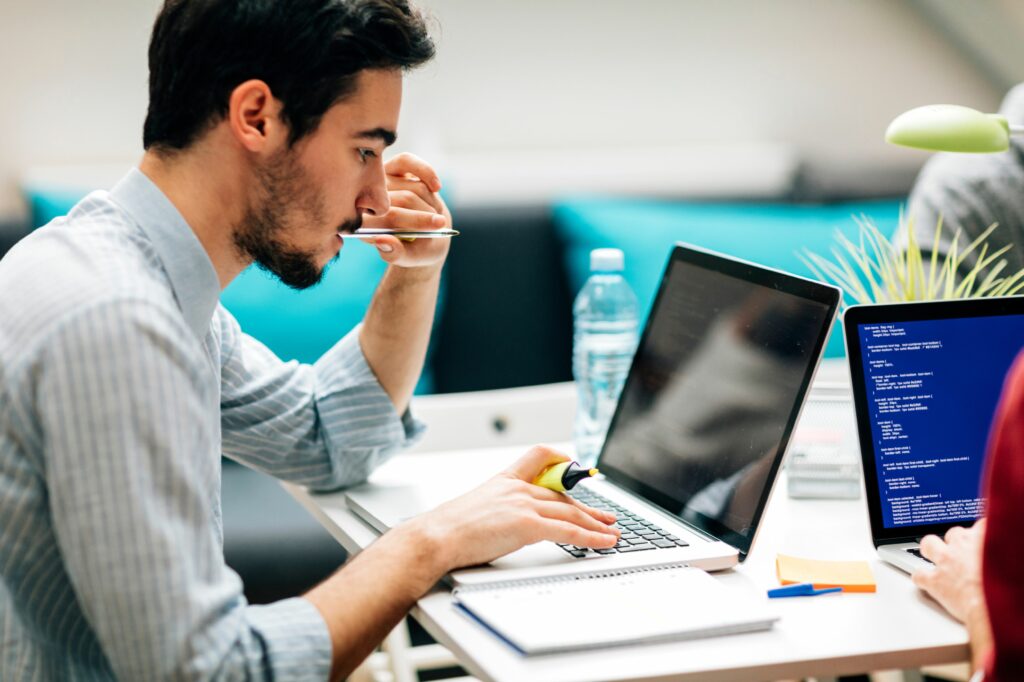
<point>193,279</point>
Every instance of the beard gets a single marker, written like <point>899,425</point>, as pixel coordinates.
<point>283,191</point>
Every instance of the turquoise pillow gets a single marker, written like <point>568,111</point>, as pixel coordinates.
<point>303,325</point>
<point>771,234</point>
<point>46,204</point>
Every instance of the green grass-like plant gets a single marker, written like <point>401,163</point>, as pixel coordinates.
<point>875,270</point>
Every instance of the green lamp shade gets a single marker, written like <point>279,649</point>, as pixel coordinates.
<point>950,128</point>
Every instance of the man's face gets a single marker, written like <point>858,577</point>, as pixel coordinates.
<point>302,197</point>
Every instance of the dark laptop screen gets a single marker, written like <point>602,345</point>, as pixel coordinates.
<point>715,388</point>
<point>931,388</point>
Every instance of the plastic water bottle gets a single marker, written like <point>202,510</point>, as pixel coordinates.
<point>605,335</point>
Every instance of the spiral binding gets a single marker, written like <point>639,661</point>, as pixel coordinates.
<point>569,577</point>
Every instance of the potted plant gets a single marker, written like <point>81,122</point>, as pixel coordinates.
<point>876,269</point>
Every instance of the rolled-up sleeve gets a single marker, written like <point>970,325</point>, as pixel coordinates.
<point>132,455</point>
<point>325,425</point>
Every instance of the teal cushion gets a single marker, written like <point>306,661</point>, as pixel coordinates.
<point>47,203</point>
<point>303,325</point>
<point>767,233</point>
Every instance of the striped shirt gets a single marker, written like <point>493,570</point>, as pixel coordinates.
<point>122,381</point>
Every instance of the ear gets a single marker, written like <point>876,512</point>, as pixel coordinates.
<point>254,117</point>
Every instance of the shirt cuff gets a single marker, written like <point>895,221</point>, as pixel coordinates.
<point>354,406</point>
<point>295,639</point>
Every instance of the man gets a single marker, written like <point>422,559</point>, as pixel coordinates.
<point>122,380</point>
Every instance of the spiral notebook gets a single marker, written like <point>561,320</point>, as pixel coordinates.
<point>596,610</point>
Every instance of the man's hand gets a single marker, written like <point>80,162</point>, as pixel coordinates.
<point>363,601</point>
<point>413,188</point>
<point>508,512</point>
<point>955,581</point>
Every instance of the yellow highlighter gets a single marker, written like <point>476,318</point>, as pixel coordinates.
<point>562,476</point>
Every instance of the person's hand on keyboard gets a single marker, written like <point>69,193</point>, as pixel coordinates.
<point>955,580</point>
<point>508,512</point>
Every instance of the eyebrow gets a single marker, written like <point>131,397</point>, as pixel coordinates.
<point>388,136</point>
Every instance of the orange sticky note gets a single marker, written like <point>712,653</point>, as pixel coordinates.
<point>852,576</point>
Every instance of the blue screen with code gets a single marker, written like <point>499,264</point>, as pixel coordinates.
<point>932,391</point>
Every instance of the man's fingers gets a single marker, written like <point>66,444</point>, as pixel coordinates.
<point>563,531</point>
<point>599,514</point>
<point>411,164</point>
<point>398,218</point>
<point>398,185</point>
<point>410,200</point>
<point>534,461</point>
<point>570,513</point>
<point>542,493</point>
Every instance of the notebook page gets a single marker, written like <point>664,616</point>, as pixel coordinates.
<point>622,607</point>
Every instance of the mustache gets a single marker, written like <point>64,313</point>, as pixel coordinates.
<point>350,226</point>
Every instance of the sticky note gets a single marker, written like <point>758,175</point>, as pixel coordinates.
<point>852,576</point>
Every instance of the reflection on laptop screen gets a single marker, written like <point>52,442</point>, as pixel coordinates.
<point>931,395</point>
<point>716,380</point>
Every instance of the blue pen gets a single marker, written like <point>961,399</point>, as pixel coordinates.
<point>800,590</point>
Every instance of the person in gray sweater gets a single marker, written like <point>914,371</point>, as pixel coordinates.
<point>970,192</point>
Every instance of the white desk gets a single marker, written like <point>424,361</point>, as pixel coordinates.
<point>894,628</point>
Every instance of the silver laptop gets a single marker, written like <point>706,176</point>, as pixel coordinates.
<point>926,381</point>
<point>701,427</point>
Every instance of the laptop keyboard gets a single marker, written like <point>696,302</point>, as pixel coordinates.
<point>638,534</point>
<point>916,552</point>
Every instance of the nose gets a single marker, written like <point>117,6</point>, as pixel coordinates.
<point>374,198</point>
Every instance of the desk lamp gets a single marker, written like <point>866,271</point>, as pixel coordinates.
<point>952,128</point>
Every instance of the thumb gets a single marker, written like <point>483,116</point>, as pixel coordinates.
<point>534,461</point>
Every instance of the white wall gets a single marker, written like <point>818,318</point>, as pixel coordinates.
<point>540,80</point>
<point>72,82</point>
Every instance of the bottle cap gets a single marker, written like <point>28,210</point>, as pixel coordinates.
<point>606,260</point>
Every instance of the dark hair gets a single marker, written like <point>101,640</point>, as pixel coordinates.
<point>309,52</point>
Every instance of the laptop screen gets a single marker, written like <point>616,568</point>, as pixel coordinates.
<point>715,388</point>
<point>930,389</point>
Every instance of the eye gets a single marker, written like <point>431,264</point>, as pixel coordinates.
<point>365,154</point>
